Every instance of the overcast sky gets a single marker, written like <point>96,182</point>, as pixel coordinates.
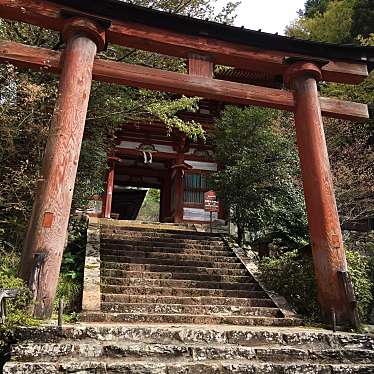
<point>268,15</point>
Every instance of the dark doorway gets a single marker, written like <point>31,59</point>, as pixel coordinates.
<point>127,202</point>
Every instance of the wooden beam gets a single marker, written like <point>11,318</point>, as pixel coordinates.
<point>161,80</point>
<point>48,15</point>
<point>136,153</point>
<point>342,109</point>
<point>214,89</point>
<point>141,172</point>
<point>158,156</point>
<point>225,53</point>
<point>25,56</point>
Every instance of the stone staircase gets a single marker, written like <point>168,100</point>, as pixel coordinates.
<point>187,349</point>
<point>168,274</point>
<point>170,300</point>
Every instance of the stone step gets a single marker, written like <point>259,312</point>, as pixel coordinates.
<point>42,352</point>
<point>173,268</point>
<point>162,242</point>
<point>171,261</point>
<point>190,309</point>
<point>186,319</point>
<point>223,367</point>
<point>118,249</point>
<point>154,232</point>
<point>177,283</point>
<point>168,256</point>
<point>177,277</point>
<point>167,291</point>
<point>194,249</point>
<point>222,335</point>
<point>188,300</point>
<point>181,276</point>
<point>181,235</point>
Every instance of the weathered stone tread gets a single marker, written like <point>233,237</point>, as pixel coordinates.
<point>127,352</point>
<point>173,268</point>
<point>179,283</point>
<point>190,300</point>
<point>188,318</point>
<point>117,273</point>
<point>161,241</point>
<point>189,309</point>
<point>180,291</point>
<point>184,368</point>
<point>190,250</point>
<point>162,255</point>
<point>163,230</point>
<point>199,334</point>
<point>140,231</point>
<point>171,261</point>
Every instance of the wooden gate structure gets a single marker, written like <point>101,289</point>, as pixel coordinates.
<point>87,26</point>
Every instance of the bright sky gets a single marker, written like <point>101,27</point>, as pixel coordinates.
<point>268,15</point>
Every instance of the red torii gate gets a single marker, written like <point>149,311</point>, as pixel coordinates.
<point>87,25</point>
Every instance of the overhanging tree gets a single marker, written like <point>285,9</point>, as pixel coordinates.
<point>259,183</point>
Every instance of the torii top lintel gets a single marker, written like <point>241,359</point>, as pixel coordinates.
<point>176,35</point>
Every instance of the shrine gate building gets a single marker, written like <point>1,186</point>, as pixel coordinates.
<point>148,155</point>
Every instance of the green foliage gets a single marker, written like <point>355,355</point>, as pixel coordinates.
<point>351,150</point>
<point>371,278</point>
<point>150,210</point>
<point>167,111</point>
<point>18,309</point>
<point>362,243</point>
<point>26,102</point>
<point>70,285</point>
<point>363,18</point>
<point>334,25</point>
<point>259,182</point>
<point>205,9</point>
<point>292,275</point>
<point>359,271</point>
<point>314,7</point>
<point>72,317</point>
<point>154,195</point>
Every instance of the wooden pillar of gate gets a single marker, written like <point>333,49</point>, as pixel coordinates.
<point>179,188</point>
<point>109,191</point>
<point>167,195</point>
<point>165,198</point>
<point>46,236</point>
<point>324,227</point>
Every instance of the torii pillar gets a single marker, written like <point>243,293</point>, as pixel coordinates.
<point>45,240</point>
<point>324,227</point>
